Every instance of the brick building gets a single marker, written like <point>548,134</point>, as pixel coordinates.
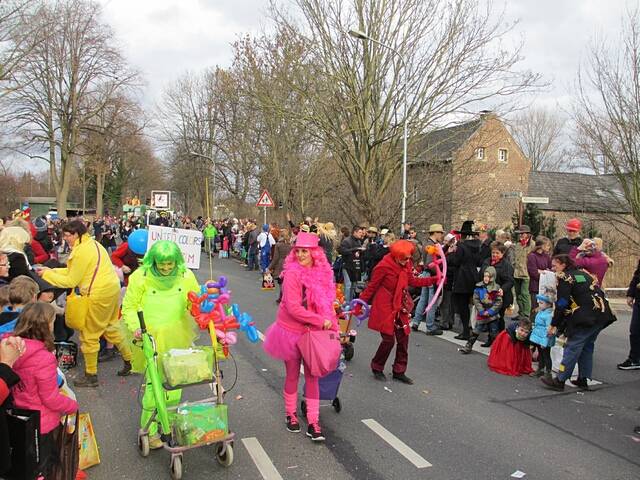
<point>474,170</point>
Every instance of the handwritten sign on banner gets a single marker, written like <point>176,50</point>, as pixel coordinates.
<point>188,241</point>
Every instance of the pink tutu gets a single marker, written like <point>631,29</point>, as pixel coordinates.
<point>281,343</point>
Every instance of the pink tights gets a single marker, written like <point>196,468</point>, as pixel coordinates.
<point>312,391</point>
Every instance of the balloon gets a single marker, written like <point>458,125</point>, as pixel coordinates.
<point>236,310</point>
<point>357,304</point>
<point>137,241</point>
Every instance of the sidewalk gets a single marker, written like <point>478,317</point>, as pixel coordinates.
<point>619,304</point>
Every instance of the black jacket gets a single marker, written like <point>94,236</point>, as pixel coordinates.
<point>466,260</point>
<point>18,265</point>
<point>9,377</point>
<point>581,304</point>
<point>504,278</point>
<point>634,285</point>
<point>564,245</point>
<point>351,256</point>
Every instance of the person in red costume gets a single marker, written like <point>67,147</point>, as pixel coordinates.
<point>392,305</point>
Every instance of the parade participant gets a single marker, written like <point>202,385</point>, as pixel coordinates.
<point>392,305</point>
<point>159,289</point>
<point>465,260</point>
<point>524,246</point>
<point>38,386</point>
<point>487,298</point>
<point>540,334</point>
<point>209,233</point>
<point>633,300</point>
<point>89,271</point>
<point>11,348</point>
<point>307,302</point>
<point>581,313</point>
<point>265,244</point>
<point>510,353</point>
<point>573,239</point>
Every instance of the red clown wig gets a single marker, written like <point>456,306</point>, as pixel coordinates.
<point>401,249</point>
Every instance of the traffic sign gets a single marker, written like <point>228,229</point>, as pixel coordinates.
<point>265,200</point>
<point>535,199</point>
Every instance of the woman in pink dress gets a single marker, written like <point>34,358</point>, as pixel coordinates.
<point>308,292</point>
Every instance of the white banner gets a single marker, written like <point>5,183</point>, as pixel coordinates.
<point>188,241</point>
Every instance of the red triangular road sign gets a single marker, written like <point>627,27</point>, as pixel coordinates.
<point>265,200</point>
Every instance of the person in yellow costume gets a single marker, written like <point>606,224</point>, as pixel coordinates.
<point>89,270</point>
<point>159,289</point>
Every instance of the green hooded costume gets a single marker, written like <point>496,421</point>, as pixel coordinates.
<point>163,300</point>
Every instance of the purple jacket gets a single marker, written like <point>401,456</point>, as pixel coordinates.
<point>537,261</point>
<point>38,387</point>
<point>595,263</point>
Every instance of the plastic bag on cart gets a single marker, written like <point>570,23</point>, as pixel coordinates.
<point>188,365</point>
<point>200,423</point>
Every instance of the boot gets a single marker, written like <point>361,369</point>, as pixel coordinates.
<point>581,383</point>
<point>489,341</point>
<point>553,384</point>
<point>469,346</point>
<point>126,369</point>
<point>87,381</point>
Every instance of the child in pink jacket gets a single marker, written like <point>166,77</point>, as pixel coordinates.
<point>38,387</point>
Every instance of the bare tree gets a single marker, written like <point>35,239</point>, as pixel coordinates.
<point>607,117</point>
<point>59,78</point>
<point>17,37</point>
<point>353,90</point>
<point>540,134</point>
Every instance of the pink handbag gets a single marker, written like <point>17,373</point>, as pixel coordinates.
<point>320,350</point>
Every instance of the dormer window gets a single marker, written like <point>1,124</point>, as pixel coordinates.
<point>503,155</point>
<point>480,153</point>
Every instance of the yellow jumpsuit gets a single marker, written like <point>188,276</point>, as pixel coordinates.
<point>104,299</point>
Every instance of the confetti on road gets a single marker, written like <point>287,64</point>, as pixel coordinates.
<point>518,474</point>
<point>388,389</point>
<point>426,392</point>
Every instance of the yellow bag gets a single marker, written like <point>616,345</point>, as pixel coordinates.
<point>89,455</point>
<point>75,314</point>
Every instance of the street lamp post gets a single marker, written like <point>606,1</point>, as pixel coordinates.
<point>364,37</point>
<point>213,160</point>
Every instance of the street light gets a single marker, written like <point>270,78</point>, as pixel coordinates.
<point>213,160</point>
<point>360,35</point>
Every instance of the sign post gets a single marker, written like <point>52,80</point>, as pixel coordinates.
<point>265,201</point>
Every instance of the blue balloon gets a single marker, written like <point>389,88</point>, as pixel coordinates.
<point>235,308</point>
<point>138,241</point>
<point>206,306</point>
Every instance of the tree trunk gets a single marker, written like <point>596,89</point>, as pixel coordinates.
<point>99,194</point>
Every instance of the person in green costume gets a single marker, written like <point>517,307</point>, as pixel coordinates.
<point>210,233</point>
<point>159,289</point>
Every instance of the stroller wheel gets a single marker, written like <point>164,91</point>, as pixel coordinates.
<point>176,467</point>
<point>225,459</point>
<point>348,351</point>
<point>303,408</point>
<point>143,445</point>
<point>337,406</point>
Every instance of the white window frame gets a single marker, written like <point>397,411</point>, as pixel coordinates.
<point>502,151</point>
<point>480,153</point>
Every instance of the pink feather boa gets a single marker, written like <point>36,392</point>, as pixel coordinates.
<point>317,280</point>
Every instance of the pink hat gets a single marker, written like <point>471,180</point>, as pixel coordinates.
<point>307,240</point>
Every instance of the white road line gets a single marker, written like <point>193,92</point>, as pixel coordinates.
<point>261,459</point>
<point>402,448</point>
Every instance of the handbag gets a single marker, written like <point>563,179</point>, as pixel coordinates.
<point>89,455</point>
<point>78,305</point>
<point>24,440</point>
<point>320,350</point>
<point>68,448</point>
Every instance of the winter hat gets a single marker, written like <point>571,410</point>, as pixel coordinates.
<point>492,285</point>
<point>545,299</point>
<point>574,225</point>
<point>40,224</point>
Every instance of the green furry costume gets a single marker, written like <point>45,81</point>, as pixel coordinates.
<point>163,299</point>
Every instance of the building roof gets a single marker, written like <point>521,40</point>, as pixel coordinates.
<point>577,192</point>
<point>440,145</point>
<point>40,199</point>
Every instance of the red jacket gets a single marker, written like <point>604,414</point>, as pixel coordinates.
<point>39,253</point>
<point>387,288</point>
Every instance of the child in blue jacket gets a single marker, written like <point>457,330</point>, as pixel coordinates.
<point>539,335</point>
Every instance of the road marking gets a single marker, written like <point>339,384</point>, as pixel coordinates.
<point>402,448</point>
<point>261,459</point>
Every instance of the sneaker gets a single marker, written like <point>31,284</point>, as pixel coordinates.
<point>553,384</point>
<point>86,381</point>
<point>435,332</point>
<point>292,423</point>
<point>126,369</point>
<point>401,377</point>
<point>315,432</point>
<point>629,364</point>
<point>379,375</point>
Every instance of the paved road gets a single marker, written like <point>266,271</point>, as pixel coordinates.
<point>459,420</point>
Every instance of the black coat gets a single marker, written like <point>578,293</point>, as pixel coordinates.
<point>564,245</point>
<point>634,285</point>
<point>581,304</point>
<point>18,264</point>
<point>9,377</point>
<point>352,256</point>
<point>466,260</point>
<point>504,278</point>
